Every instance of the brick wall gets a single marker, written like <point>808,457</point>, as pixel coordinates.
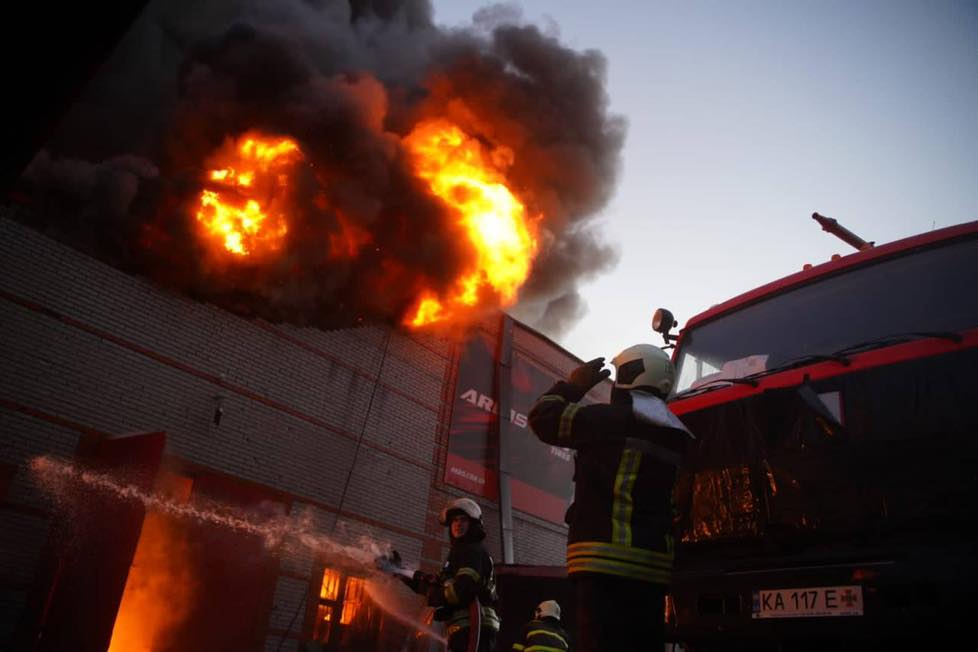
<point>351,423</point>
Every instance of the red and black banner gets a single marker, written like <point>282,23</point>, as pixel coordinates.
<point>541,475</point>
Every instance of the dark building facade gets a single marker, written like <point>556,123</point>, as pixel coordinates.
<point>347,432</point>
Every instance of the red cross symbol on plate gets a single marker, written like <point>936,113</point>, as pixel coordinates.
<point>849,598</point>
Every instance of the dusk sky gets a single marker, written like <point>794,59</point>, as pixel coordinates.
<point>744,118</point>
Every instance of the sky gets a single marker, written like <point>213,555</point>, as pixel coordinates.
<point>746,117</point>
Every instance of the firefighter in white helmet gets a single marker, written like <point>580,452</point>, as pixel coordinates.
<point>466,575</point>
<point>544,632</point>
<point>620,545</point>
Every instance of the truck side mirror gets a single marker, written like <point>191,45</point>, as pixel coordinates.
<point>663,322</point>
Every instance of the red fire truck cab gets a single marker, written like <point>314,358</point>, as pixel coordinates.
<point>830,497</point>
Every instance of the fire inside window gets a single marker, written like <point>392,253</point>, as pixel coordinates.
<point>337,595</point>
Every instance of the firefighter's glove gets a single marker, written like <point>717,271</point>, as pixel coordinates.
<point>587,376</point>
<point>390,563</point>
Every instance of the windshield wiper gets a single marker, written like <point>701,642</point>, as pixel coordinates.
<point>751,379</point>
<point>899,338</point>
<point>840,356</point>
<point>801,362</point>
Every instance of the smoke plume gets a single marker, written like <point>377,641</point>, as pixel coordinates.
<point>347,81</point>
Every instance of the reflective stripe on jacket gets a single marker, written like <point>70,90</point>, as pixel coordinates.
<point>621,520</point>
<point>460,620</point>
<point>468,573</point>
<point>543,636</point>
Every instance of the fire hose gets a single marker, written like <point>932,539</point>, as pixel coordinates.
<point>392,565</point>
<point>475,624</point>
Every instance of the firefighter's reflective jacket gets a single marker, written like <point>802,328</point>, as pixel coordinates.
<point>467,574</point>
<point>544,635</point>
<point>624,471</point>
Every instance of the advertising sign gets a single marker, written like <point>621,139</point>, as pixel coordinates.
<point>541,475</point>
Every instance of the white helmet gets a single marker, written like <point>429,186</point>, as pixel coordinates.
<point>547,608</point>
<point>465,505</point>
<point>644,365</point>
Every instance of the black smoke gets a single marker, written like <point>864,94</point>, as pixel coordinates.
<point>347,80</point>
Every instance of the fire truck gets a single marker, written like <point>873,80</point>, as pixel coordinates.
<point>830,498</point>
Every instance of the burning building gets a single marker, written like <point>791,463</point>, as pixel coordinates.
<point>255,337</point>
<point>172,471</point>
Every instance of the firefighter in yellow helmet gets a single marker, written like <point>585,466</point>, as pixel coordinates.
<point>467,575</point>
<point>620,545</point>
<point>544,633</point>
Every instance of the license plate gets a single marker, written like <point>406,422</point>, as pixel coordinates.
<point>815,602</point>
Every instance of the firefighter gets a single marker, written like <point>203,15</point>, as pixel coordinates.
<point>544,632</point>
<point>620,545</point>
<point>466,575</point>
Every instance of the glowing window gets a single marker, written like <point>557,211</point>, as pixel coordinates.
<point>331,585</point>
<point>324,623</point>
<point>337,595</point>
<point>352,600</point>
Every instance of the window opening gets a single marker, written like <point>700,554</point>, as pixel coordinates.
<point>337,595</point>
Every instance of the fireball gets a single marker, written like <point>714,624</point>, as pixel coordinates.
<point>249,205</point>
<point>243,210</point>
<point>470,179</point>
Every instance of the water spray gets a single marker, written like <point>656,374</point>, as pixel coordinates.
<point>54,475</point>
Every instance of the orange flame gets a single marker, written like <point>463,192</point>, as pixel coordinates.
<point>330,592</point>
<point>160,588</point>
<point>470,180</point>
<point>243,212</point>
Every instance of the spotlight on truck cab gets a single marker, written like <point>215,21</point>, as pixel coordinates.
<point>663,322</point>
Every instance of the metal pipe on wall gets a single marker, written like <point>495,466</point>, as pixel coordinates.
<point>504,366</point>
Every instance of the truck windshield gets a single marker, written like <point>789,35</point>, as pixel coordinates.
<point>933,289</point>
